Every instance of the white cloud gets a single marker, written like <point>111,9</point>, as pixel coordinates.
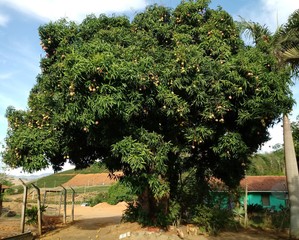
<point>73,10</point>
<point>3,19</point>
<point>272,13</point>
<point>276,134</point>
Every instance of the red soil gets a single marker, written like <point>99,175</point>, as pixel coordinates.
<point>93,179</point>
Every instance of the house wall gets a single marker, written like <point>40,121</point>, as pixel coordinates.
<point>265,199</point>
<point>257,198</point>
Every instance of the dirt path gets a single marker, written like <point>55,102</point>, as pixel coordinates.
<point>89,222</point>
<point>103,221</point>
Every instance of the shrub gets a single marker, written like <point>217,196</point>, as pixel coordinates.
<point>213,219</point>
<point>116,193</point>
<point>31,214</point>
<point>255,208</point>
<point>100,197</point>
<point>277,220</point>
<point>120,192</point>
<point>280,219</point>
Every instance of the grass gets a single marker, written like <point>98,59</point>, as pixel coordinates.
<point>98,189</point>
<point>57,179</point>
<point>82,194</point>
<point>60,178</point>
<point>53,180</point>
<point>95,168</point>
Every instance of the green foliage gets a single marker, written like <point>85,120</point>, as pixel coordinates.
<point>269,219</point>
<point>255,208</point>
<point>53,180</point>
<point>96,167</point>
<point>114,194</point>
<point>119,192</point>
<point>280,219</point>
<point>267,164</point>
<point>174,216</point>
<point>32,214</point>
<point>60,178</point>
<point>173,90</point>
<point>4,180</point>
<point>213,219</point>
<point>134,213</point>
<point>99,198</point>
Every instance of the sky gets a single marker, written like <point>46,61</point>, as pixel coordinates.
<point>20,51</point>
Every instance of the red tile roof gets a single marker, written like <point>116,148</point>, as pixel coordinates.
<point>265,183</point>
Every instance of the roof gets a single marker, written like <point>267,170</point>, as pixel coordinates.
<point>265,183</point>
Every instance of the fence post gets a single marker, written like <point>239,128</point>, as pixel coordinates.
<point>1,199</point>
<point>39,212</point>
<point>24,203</point>
<point>73,204</point>
<point>64,204</point>
<point>45,196</point>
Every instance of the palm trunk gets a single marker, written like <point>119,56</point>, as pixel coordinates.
<point>292,177</point>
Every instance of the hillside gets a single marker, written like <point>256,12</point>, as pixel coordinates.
<point>92,179</point>
<point>59,178</point>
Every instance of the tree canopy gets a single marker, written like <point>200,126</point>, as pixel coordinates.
<point>263,164</point>
<point>171,90</point>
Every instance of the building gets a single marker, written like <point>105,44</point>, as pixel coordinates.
<point>266,191</point>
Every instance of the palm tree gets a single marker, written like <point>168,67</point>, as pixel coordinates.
<point>285,46</point>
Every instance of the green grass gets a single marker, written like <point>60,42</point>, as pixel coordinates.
<point>60,178</point>
<point>57,179</point>
<point>98,189</point>
<point>53,180</point>
<point>95,168</point>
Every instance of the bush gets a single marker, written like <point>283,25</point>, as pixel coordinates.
<point>277,220</point>
<point>135,213</point>
<point>255,208</point>
<point>31,214</point>
<point>119,193</point>
<point>280,219</point>
<point>213,219</point>
<point>116,193</point>
<point>100,197</point>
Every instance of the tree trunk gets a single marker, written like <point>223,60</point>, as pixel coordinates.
<point>292,178</point>
<point>0,199</point>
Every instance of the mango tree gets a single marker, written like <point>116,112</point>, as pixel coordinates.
<point>172,91</point>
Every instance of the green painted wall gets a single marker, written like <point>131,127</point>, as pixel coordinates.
<point>221,199</point>
<point>275,203</point>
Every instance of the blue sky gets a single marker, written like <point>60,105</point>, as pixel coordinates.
<point>20,51</point>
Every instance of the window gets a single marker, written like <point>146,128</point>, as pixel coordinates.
<point>266,199</point>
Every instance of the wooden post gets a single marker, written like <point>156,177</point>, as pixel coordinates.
<point>45,196</point>
<point>64,204</point>
<point>39,212</point>
<point>73,204</point>
<point>246,203</point>
<point>24,203</point>
<point>60,200</point>
<point>1,199</point>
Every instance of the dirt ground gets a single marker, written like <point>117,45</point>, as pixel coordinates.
<point>93,179</point>
<point>103,221</point>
